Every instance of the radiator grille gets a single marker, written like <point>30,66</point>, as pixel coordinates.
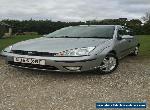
<point>33,53</point>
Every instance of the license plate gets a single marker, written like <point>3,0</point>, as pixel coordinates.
<point>29,61</point>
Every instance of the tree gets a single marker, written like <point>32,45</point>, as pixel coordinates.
<point>136,25</point>
<point>146,26</point>
<point>146,18</point>
<point>3,28</point>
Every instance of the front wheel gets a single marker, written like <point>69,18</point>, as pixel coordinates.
<point>109,64</point>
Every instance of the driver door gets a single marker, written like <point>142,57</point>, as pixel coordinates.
<point>123,46</point>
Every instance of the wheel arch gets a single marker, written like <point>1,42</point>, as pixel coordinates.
<point>113,52</point>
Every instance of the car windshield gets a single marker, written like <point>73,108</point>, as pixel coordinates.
<point>84,32</point>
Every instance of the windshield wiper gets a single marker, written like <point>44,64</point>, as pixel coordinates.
<point>63,36</point>
<point>99,37</point>
<point>67,37</point>
<point>60,37</point>
<point>81,37</point>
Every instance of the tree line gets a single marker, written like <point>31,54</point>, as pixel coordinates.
<point>48,26</point>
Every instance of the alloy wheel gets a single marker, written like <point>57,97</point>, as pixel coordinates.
<point>136,50</point>
<point>109,64</point>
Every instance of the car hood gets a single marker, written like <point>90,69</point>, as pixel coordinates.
<point>55,45</point>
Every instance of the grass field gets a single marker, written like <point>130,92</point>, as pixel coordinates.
<point>143,39</point>
<point>9,41</point>
<point>145,45</point>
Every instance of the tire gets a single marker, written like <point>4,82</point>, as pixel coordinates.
<point>109,64</point>
<point>135,52</point>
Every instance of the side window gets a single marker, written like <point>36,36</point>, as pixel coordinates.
<point>129,32</point>
<point>121,32</point>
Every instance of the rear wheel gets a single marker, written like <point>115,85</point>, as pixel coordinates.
<point>109,64</point>
<point>136,51</point>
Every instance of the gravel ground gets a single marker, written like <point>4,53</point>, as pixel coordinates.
<point>38,90</point>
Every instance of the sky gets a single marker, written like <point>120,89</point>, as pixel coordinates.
<point>73,10</point>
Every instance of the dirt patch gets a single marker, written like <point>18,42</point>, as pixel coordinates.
<point>39,90</point>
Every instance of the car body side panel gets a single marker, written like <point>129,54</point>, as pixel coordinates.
<point>124,47</point>
<point>134,42</point>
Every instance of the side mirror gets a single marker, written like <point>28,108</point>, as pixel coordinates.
<point>127,37</point>
<point>121,32</point>
<point>119,38</point>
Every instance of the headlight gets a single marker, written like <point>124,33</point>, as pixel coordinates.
<point>76,52</point>
<point>8,49</point>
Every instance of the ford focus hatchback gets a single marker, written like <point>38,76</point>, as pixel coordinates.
<point>75,49</point>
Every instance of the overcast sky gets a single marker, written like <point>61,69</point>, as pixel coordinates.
<point>72,10</point>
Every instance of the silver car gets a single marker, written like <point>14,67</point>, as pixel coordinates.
<point>75,49</point>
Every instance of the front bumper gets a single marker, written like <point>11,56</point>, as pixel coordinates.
<point>58,63</point>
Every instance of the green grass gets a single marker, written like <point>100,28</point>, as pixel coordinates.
<point>143,39</point>
<point>9,41</point>
<point>144,45</point>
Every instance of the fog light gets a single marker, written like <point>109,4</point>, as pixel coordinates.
<point>77,68</point>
